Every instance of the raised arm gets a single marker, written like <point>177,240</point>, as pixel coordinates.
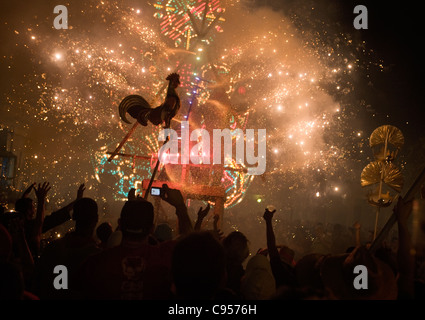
<point>41,193</point>
<point>175,198</point>
<point>216,230</point>
<point>62,215</point>
<point>271,239</point>
<point>282,272</point>
<point>202,213</point>
<point>28,190</point>
<point>80,194</point>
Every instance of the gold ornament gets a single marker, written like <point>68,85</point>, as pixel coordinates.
<point>390,174</point>
<point>382,174</point>
<point>386,141</point>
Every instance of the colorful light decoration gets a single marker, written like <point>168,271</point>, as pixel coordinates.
<point>236,184</point>
<point>122,173</point>
<point>191,24</point>
<point>182,21</point>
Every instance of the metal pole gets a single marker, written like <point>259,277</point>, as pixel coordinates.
<point>393,218</point>
<point>153,174</point>
<point>378,209</point>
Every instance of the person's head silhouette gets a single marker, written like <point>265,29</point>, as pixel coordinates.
<point>136,220</point>
<point>198,266</point>
<point>85,215</point>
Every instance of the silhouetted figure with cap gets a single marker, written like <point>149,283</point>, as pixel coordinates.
<point>136,269</point>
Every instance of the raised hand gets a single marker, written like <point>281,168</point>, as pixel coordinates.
<point>175,198</point>
<point>172,196</point>
<point>268,215</point>
<point>42,190</point>
<point>215,221</point>
<point>202,213</point>
<point>41,193</point>
<point>80,192</point>
<point>28,190</point>
<point>218,233</point>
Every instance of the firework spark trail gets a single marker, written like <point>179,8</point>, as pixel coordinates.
<point>267,68</point>
<point>281,79</point>
<point>77,85</point>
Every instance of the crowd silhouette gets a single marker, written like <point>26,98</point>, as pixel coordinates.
<point>144,260</point>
